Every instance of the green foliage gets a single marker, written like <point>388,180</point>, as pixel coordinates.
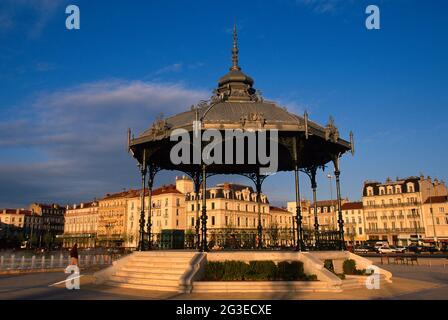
<point>256,270</point>
<point>235,270</point>
<point>349,268</point>
<point>214,271</point>
<point>328,264</point>
<point>291,270</point>
<point>261,270</point>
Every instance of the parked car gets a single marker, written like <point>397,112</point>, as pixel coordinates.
<point>414,249</point>
<point>386,249</point>
<point>399,249</point>
<point>363,249</point>
<point>430,249</point>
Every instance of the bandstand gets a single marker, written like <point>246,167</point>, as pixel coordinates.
<point>302,146</point>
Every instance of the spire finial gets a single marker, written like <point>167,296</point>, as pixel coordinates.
<point>235,50</point>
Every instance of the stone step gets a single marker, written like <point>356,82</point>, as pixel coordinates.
<point>148,275</point>
<point>180,254</point>
<point>172,270</point>
<point>141,286</point>
<point>144,281</point>
<point>157,264</point>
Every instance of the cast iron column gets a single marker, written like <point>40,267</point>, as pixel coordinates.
<point>298,211</point>
<point>260,226</point>
<point>337,172</point>
<point>149,224</point>
<point>141,243</point>
<point>316,219</point>
<point>204,246</point>
<point>197,186</point>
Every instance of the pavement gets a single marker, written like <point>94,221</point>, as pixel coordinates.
<point>409,282</point>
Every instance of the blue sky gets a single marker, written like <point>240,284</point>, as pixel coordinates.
<point>67,97</point>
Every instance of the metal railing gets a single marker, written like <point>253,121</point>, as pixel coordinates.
<point>41,262</point>
<point>394,230</point>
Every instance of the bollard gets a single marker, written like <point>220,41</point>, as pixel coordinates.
<point>42,265</point>
<point>51,261</point>
<point>13,257</point>
<point>33,261</point>
<point>22,263</point>
<point>61,260</point>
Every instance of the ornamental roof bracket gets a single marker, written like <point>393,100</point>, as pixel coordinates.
<point>159,127</point>
<point>331,131</point>
<point>352,143</point>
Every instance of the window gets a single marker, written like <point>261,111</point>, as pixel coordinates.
<point>360,231</point>
<point>177,223</point>
<point>441,209</point>
<point>177,212</point>
<point>192,207</point>
<point>227,220</point>
<point>238,221</point>
<point>227,205</point>
<point>213,205</point>
<point>437,220</point>
<point>192,222</point>
<point>213,220</point>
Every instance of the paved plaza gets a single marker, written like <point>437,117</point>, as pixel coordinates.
<point>409,282</point>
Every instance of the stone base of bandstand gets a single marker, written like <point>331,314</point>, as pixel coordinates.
<point>182,271</point>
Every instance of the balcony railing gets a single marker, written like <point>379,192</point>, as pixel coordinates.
<point>413,216</point>
<point>393,205</point>
<point>395,230</point>
<point>383,217</point>
<point>371,217</point>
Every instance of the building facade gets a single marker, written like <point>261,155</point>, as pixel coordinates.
<point>81,225</point>
<point>435,218</point>
<point>167,211</point>
<point>354,223</point>
<point>51,221</point>
<point>112,218</point>
<point>393,209</point>
<point>232,211</point>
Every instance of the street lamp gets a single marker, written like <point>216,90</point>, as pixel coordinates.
<point>330,177</point>
<point>436,242</point>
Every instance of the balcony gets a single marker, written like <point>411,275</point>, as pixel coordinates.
<point>395,230</point>
<point>371,218</point>
<point>383,217</point>
<point>400,216</point>
<point>393,205</point>
<point>413,216</point>
<point>392,217</point>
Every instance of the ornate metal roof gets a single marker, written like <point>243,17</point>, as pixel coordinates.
<point>235,104</point>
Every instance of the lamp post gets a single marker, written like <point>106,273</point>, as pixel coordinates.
<point>436,242</point>
<point>330,179</point>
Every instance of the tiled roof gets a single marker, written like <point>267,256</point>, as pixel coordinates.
<point>436,199</point>
<point>352,205</point>
<point>272,208</point>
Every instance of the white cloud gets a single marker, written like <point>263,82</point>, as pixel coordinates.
<point>81,131</point>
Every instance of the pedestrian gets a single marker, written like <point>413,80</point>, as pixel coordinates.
<point>74,255</point>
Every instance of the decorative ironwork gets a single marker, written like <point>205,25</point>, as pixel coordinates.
<point>331,132</point>
<point>152,171</point>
